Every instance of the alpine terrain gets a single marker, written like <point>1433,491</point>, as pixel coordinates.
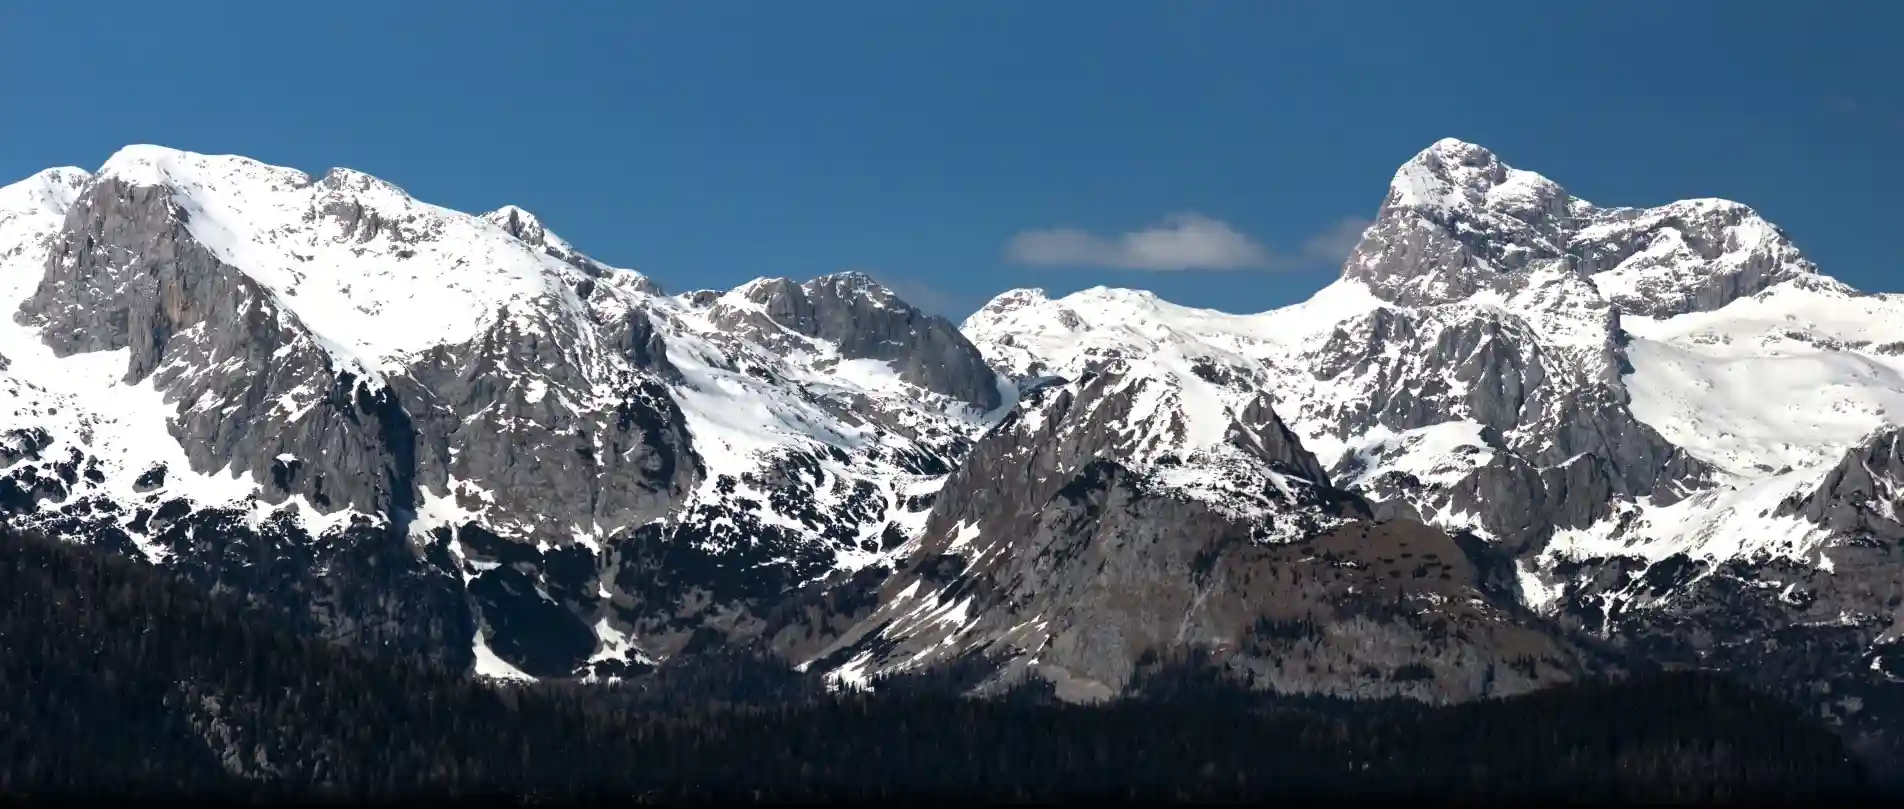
<point>1521,439</point>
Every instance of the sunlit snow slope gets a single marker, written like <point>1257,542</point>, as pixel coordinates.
<point>202,339</point>
<point>1495,340</point>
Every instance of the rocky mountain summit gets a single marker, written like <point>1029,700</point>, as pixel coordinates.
<point>1521,438</point>
<point>400,421</point>
<point>1667,419</point>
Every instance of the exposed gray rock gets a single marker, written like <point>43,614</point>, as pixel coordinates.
<point>527,227</point>
<point>1045,551</point>
<point>1693,256</point>
<point>867,321</point>
<point>518,424</point>
<point>250,384</point>
<point>1458,221</point>
<point>1564,444</point>
<point>1488,392</point>
<point>526,486</point>
<point>1860,498</point>
<point>601,478</point>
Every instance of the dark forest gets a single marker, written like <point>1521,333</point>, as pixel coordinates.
<point>119,680</point>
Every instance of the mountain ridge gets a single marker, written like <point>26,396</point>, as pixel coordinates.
<point>1585,401</point>
<point>459,435</point>
<point>261,340</point>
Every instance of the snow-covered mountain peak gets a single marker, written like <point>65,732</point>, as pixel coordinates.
<point>359,184</point>
<point>851,317</point>
<point>1007,301</point>
<point>1456,178</point>
<point>29,208</point>
<point>782,292</point>
<point>529,229</point>
<point>515,219</point>
<point>1459,222</point>
<point>237,341</point>
<point>50,191</point>
<point>853,283</point>
<point>848,279</point>
<point>1035,335</point>
<point>1687,256</point>
<point>794,302</point>
<point>521,224</point>
<point>374,273</point>
<point>150,165</point>
<point>756,290</point>
<point>1490,331</point>
<point>1125,295</point>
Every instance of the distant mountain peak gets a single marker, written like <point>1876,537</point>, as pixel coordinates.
<point>1455,146</point>
<point>1013,298</point>
<point>856,282</point>
<point>570,473</point>
<point>1456,157</point>
<point>852,278</point>
<point>529,229</point>
<point>354,182</point>
<point>518,222</point>
<point>788,297</point>
<point>1459,223</point>
<point>1457,178</point>
<point>1004,303</point>
<point>150,165</point>
<point>50,191</point>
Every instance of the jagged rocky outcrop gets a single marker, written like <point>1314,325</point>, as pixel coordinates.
<point>1552,445</point>
<point>1823,631</point>
<point>1072,548</point>
<point>1647,411</point>
<point>1459,222</point>
<point>124,272</point>
<point>355,390</point>
<point>866,321</point>
<point>1860,497</point>
<point>1520,433</point>
<point>528,228</point>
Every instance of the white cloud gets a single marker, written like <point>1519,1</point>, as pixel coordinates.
<point>1181,242</point>
<point>1185,241</point>
<point>1332,246</point>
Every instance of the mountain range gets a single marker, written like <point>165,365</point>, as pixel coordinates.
<point>1521,439</point>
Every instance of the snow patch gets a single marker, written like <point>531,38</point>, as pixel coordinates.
<point>489,666</point>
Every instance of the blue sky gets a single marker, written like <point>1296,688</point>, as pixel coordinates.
<point>711,142</point>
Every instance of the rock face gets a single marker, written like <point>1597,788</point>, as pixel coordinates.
<point>868,322</point>
<point>1676,431</point>
<point>1825,631</point>
<point>1069,549</point>
<point>426,427</point>
<point>1521,438</point>
<point>1859,497</point>
<point>124,273</point>
<point>1458,222</point>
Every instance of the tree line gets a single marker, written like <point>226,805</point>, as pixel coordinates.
<point>118,679</point>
